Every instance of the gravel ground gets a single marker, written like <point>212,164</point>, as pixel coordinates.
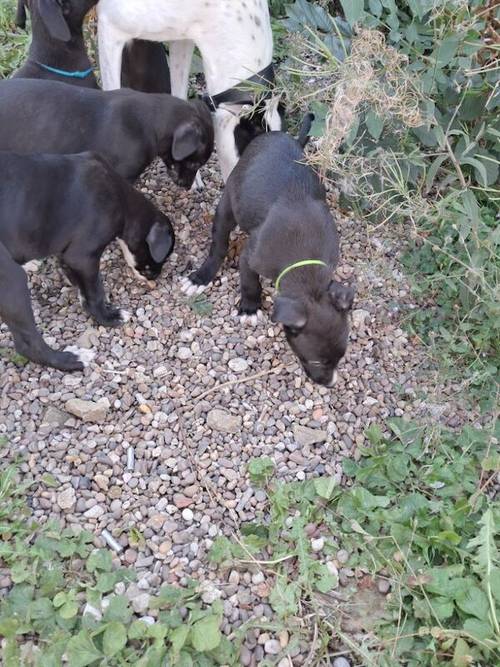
<point>195,396</point>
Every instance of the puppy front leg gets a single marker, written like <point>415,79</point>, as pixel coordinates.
<point>84,274</point>
<point>251,289</point>
<point>17,313</point>
<point>222,226</point>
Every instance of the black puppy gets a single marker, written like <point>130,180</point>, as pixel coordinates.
<point>127,127</point>
<point>70,206</point>
<point>280,202</point>
<point>57,51</point>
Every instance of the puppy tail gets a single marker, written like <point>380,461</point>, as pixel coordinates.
<point>305,128</point>
<point>21,14</point>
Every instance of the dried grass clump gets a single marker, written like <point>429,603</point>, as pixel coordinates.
<point>373,76</point>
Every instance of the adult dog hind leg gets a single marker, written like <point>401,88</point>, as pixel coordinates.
<point>111,44</point>
<point>17,313</point>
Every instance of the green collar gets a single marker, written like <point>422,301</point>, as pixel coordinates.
<point>296,265</point>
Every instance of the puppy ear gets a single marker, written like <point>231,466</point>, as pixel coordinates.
<point>289,312</point>
<point>342,296</point>
<point>186,141</point>
<point>52,16</point>
<point>160,241</point>
<point>21,14</point>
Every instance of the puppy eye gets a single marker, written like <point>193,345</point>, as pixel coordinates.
<point>315,363</point>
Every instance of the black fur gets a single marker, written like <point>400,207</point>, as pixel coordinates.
<point>280,202</point>
<point>127,127</point>
<point>72,207</point>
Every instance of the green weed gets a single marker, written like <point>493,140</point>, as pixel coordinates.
<point>416,514</point>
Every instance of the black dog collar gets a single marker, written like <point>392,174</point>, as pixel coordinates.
<point>241,94</point>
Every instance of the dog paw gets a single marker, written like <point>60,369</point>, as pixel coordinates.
<point>124,315</point>
<point>198,183</point>
<point>83,355</point>
<point>33,266</point>
<point>251,319</point>
<point>191,289</point>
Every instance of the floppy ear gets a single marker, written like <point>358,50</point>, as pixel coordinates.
<point>52,15</point>
<point>160,241</point>
<point>186,141</point>
<point>21,14</point>
<point>289,312</point>
<point>342,296</point>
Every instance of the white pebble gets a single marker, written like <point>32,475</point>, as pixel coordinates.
<point>238,365</point>
<point>187,515</point>
<point>318,544</point>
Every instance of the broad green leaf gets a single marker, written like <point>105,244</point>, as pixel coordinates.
<point>69,609</point>
<point>353,10</point>
<point>178,639</point>
<point>205,634</point>
<point>479,168</point>
<point>446,50</point>
<point>374,124</point>
<point>480,630</point>
<point>138,630</point>
<point>100,559</point>
<point>462,656</point>
<point>114,639</point>
<point>118,609</point>
<point>82,651</point>
<point>324,487</point>
<point>260,470</point>
<point>326,582</point>
<point>284,597</point>
<point>474,602</point>
<point>60,599</point>
<point>442,608</point>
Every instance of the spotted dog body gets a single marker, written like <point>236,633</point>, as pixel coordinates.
<point>234,38</point>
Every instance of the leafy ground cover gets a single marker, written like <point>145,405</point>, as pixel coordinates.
<point>417,520</point>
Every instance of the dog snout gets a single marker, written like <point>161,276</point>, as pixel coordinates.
<point>321,375</point>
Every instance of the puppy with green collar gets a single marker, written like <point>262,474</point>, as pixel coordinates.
<point>280,203</point>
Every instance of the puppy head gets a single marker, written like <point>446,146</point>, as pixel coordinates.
<point>62,17</point>
<point>192,145</point>
<point>317,329</point>
<point>267,116</point>
<point>147,254</point>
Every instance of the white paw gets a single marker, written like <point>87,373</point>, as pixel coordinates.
<point>33,266</point>
<point>85,356</point>
<point>190,288</point>
<point>198,183</point>
<point>252,320</point>
<point>124,315</point>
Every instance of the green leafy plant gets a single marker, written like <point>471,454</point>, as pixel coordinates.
<point>62,601</point>
<point>416,512</point>
<point>13,42</point>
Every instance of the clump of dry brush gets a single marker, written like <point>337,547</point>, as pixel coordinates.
<point>372,77</point>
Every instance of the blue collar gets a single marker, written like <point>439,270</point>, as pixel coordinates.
<point>62,72</point>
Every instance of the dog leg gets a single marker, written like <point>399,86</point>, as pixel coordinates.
<point>225,122</point>
<point>251,291</point>
<point>111,44</point>
<point>222,226</point>
<point>181,55</point>
<point>84,274</point>
<point>17,313</point>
